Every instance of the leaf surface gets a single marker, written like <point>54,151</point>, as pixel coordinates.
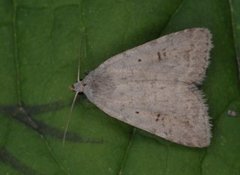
<point>40,45</point>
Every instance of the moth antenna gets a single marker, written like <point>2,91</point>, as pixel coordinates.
<point>79,63</point>
<point>69,118</point>
<point>78,75</point>
<point>73,103</point>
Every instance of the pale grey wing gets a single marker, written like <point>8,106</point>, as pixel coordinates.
<point>174,111</point>
<point>179,56</point>
<point>155,80</point>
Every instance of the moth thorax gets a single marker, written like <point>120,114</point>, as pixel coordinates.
<point>78,87</point>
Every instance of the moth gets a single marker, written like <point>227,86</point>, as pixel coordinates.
<point>154,87</point>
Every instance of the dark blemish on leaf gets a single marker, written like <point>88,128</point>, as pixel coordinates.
<point>10,159</point>
<point>159,56</point>
<point>25,115</point>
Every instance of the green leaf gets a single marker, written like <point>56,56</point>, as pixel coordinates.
<point>235,19</point>
<point>40,45</point>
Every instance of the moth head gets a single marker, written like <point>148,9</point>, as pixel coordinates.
<point>77,87</point>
